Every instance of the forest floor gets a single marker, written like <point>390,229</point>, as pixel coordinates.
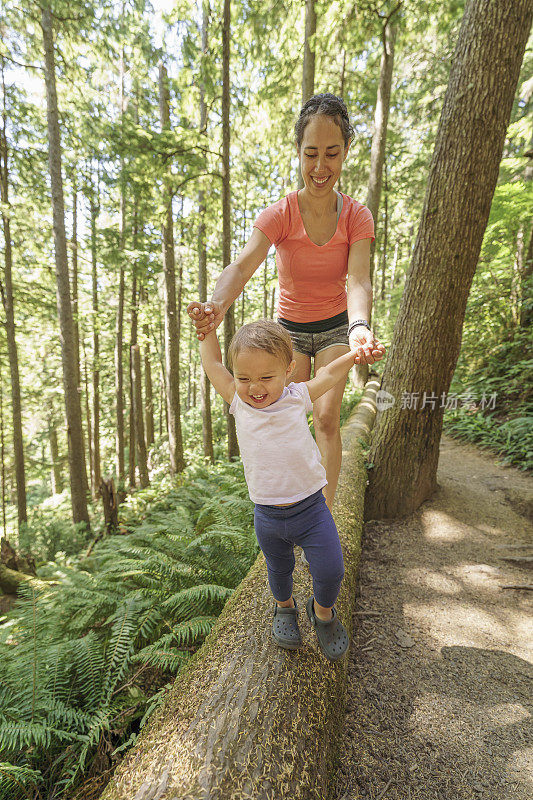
<point>440,676</point>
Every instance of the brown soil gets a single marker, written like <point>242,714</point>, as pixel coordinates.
<point>440,674</point>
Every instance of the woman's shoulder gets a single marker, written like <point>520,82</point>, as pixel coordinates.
<point>354,205</point>
<point>275,219</point>
<point>358,220</point>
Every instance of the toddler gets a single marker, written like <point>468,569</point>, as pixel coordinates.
<point>283,472</point>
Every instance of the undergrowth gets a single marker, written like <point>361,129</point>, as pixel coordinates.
<point>88,654</point>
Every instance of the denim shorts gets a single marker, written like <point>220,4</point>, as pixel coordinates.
<point>311,343</point>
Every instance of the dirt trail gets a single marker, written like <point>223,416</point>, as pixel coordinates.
<point>441,676</point>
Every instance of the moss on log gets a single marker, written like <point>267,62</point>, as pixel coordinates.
<point>246,719</point>
<point>11,579</point>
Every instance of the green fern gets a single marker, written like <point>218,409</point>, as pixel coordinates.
<point>85,660</point>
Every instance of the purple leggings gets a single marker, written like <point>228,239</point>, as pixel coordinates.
<point>309,524</point>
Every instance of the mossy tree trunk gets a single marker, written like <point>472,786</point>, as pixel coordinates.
<point>78,476</point>
<point>308,66</point>
<point>462,178</point>
<point>229,316</point>
<point>245,718</point>
<point>9,310</point>
<point>172,355</point>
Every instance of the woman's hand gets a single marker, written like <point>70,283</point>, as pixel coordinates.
<point>368,348</point>
<point>205,316</point>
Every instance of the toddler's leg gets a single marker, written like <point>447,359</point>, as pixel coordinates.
<point>279,556</point>
<point>323,550</point>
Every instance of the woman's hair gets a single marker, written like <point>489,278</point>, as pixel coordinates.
<point>330,105</point>
<point>262,335</point>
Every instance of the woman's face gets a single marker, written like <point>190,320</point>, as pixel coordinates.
<point>321,154</point>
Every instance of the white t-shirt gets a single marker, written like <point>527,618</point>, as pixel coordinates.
<point>281,459</point>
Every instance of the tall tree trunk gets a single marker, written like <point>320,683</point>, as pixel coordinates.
<point>377,153</point>
<point>385,242</point>
<point>308,68</point>
<point>133,341</point>
<point>526,307</point>
<point>229,317</point>
<point>148,392</point>
<point>57,483</point>
<point>88,414</point>
<point>2,454</point>
<point>96,351</point>
<point>138,414</point>
<point>427,335</point>
<point>172,355</point>
<point>74,273</point>
<point>74,299</point>
<point>9,310</point>
<point>526,287</point>
<point>379,136</point>
<point>119,365</point>
<point>76,453</point>
<point>205,386</point>
<point>119,329</point>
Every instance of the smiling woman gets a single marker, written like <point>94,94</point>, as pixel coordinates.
<point>322,239</point>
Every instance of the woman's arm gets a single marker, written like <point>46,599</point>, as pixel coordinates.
<point>359,289</point>
<point>230,284</point>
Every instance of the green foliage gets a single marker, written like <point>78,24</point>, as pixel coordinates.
<point>85,660</point>
<point>512,439</point>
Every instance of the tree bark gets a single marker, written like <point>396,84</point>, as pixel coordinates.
<point>377,154</point>
<point>142,460</point>
<point>385,242</point>
<point>133,341</point>
<point>526,287</point>
<point>177,463</point>
<point>245,719</point>
<point>119,367</point>
<point>9,310</point>
<point>88,414</point>
<point>379,136</point>
<point>74,300</point>
<point>308,67</point>
<point>148,392</point>
<point>74,275</point>
<point>427,335</point>
<point>78,476</point>
<point>205,386</point>
<point>110,502</point>
<point>96,351</point>
<point>119,337</point>
<point>3,456</point>
<point>229,317</point>
<point>57,483</point>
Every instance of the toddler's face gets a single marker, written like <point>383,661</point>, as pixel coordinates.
<point>260,377</point>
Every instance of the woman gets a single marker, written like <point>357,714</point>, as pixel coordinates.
<point>322,240</point>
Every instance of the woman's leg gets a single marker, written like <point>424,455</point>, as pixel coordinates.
<point>326,419</point>
<point>302,370</point>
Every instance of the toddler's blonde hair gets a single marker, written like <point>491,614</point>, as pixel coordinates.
<point>264,334</point>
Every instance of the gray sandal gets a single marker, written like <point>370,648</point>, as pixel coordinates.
<point>285,630</point>
<point>332,636</point>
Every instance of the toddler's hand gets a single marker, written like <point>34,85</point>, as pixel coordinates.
<point>368,349</point>
<point>205,316</point>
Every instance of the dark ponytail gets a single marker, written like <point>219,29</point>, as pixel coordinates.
<point>328,104</point>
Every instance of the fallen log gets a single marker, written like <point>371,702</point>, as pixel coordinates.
<point>245,718</point>
<point>10,580</point>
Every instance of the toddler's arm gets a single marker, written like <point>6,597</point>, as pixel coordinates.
<point>331,374</point>
<point>220,377</point>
